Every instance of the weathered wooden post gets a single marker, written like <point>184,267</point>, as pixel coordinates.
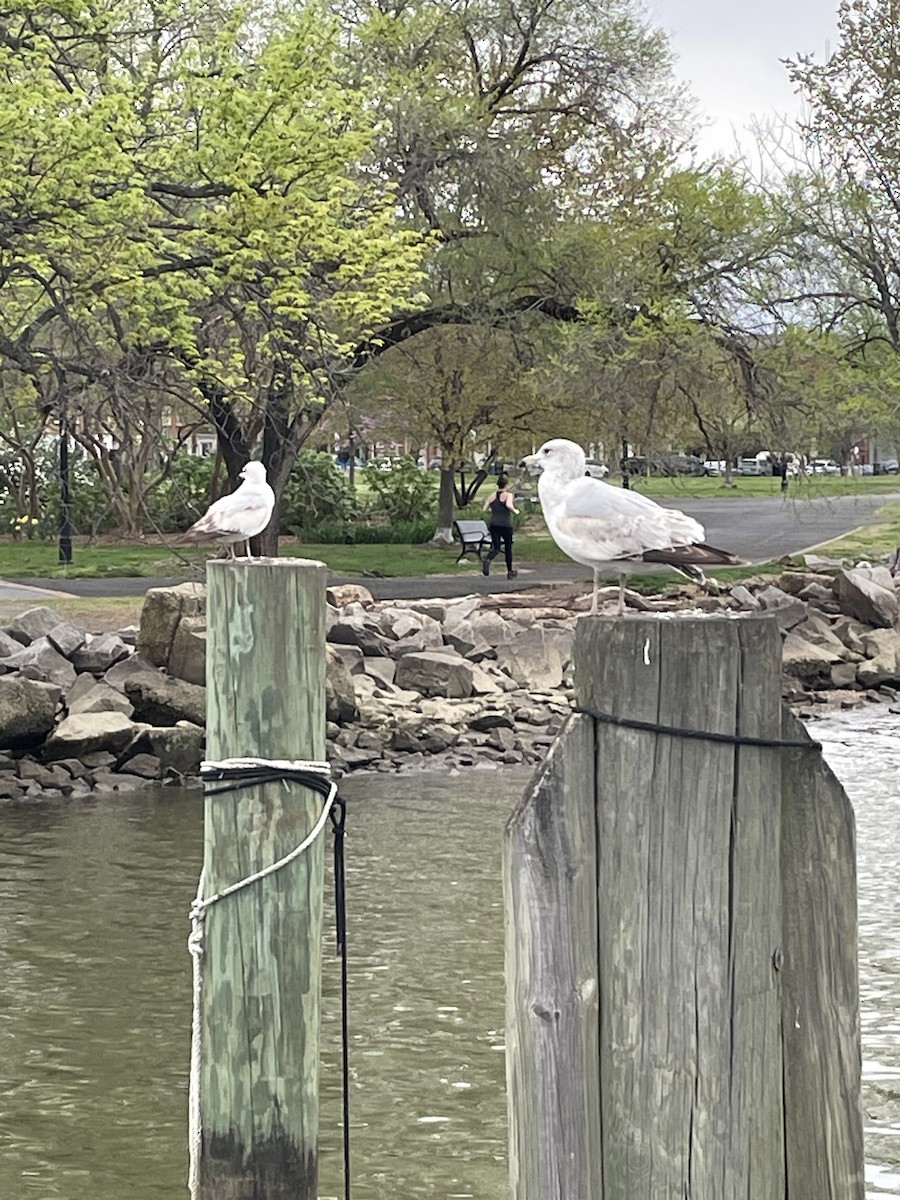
<point>681,949</point>
<point>265,677</point>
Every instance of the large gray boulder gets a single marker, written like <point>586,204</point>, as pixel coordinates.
<point>537,657</point>
<point>33,623</point>
<point>806,660</point>
<point>179,748</point>
<point>435,673</point>
<point>8,645</point>
<point>187,658</point>
<point>100,652</point>
<point>41,660</point>
<point>27,712</point>
<point>67,638</point>
<point>359,631</point>
<point>161,614</point>
<point>882,665</point>
<point>87,732</point>
<point>100,697</point>
<point>159,700</point>
<point>867,593</point>
<point>340,694</point>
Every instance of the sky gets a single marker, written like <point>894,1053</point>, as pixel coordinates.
<point>729,54</point>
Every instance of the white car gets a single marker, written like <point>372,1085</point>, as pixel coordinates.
<point>596,470</point>
<point>824,466</point>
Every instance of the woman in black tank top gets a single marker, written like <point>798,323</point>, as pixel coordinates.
<point>500,506</point>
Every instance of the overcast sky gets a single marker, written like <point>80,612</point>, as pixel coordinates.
<point>729,54</point>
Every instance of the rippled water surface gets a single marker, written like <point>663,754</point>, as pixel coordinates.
<point>95,985</point>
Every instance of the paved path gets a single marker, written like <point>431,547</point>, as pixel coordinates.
<point>757,528</point>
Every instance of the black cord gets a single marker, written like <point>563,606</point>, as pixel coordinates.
<point>338,817</point>
<point>731,739</point>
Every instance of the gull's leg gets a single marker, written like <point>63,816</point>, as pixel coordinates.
<point>596,586</point>
<point>621,609</point>
<point>231,553</point>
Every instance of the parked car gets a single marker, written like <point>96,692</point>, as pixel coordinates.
<point>715,466</point>
<point>887,466</point>
<point>823,466</point>
<point>596,470</point>
<point>754,466</point>
<point>672,464</point>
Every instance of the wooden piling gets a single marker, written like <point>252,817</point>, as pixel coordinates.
<point>265,678</point>
<point>649,930</point>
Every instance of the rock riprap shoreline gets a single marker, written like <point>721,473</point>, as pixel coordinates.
<point>412,684</point>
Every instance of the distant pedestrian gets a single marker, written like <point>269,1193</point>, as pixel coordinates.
<point>501,507</point>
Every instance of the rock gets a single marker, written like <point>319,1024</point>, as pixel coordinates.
<point>787,610</point>
<point>381,669</point>
<point>424,736</point>
<point>161,613</point>
<point>67,638</point>
<point>850,633</point>
<point>804,659</point>
<point>98,760</point>
<point>42,660</point>
<point>32,624</point>
<point>817,593</point>
<point>362,632</point>
<point>106,781</point>
<point>459,611</point>
<point>46,776</point>
<point>159,700</point>
<point>340,695</point>
<point>843,675</point>
<point>100,653</point>
<point>536,658</point>
<point>462,638</point>
<point>436,609</point>
<point>817,630</point>
<point>484,684</point>
<point>351,656</point>
<point>127,669</point>
<point>796,582</point>
<point>501,738</point>
<point>187,658</point>
<point>435,674</point>
<point>349,593</point>
<point>491,720</point>
<point>868,594</point>
<point>129,634</point>
<point>147,766</point>
<point>100,697</point>
<point>8,645</point>
<point>179,748</point>
<point>745,598</point>
<point>490,627</point>
<point>86,732</point>
<point>883,648</point>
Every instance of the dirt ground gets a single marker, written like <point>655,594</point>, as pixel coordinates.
<point>95,614</point>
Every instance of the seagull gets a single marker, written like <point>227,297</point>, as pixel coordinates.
<point>235,518</point>
<point>595,523</point>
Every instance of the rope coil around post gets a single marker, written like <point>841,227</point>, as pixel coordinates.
<point>234,774</point>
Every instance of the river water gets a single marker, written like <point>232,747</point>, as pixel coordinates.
<point>95,985</point>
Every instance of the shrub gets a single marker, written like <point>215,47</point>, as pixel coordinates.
<point>408,533</point>
<point>183,495</point>
<point>316,493</point>
<point>405,493</point>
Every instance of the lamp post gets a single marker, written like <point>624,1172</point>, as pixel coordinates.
<point>65,523</point>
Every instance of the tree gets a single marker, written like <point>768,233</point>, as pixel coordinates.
<point>192,187</point>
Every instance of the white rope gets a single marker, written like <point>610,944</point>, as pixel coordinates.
<point>201,907</point>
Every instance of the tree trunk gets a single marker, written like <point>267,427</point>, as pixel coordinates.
<point>443,535</point>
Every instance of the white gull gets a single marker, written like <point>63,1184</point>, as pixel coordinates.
<point>237,517</point>
<point>595,523</point>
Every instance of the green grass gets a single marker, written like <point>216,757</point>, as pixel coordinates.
<point>24,560</point>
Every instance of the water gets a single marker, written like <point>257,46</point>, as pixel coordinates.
<point>95,985</point>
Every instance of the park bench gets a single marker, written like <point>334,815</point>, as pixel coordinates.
<point>474,537</point>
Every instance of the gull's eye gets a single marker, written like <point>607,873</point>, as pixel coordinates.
<point>546,451</point>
